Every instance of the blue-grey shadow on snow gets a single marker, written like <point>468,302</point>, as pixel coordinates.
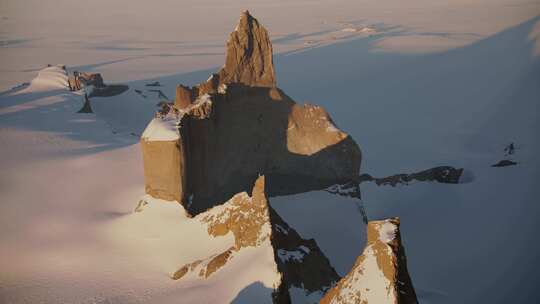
<point>254,293</point>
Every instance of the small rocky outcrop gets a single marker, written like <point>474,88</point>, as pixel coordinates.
<point>504,163</point>
<point>249,127</point>
<point>441,174</point>
<point>253,223</point>
<point>87,107</point>
<point>80,80</point>
<point>380,274</point>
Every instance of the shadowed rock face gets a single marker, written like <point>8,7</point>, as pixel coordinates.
<point>441,174</point>
<point>254,130</point>
<point>254,223</point>
<point>300,261</point>
<point>379,275</point>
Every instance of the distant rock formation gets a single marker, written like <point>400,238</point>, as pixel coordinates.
<point>81,80</point>
<point>441,174</point>
<point>379,275</point>
<point>504,163</point>
<point>248,126</point>
<point>87,107</point>
<point>254,224</point>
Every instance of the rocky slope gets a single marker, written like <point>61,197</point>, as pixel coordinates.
<point>380,274</point>
<point>239,139</point>
<point>249,127</point>
<point>254,225</point>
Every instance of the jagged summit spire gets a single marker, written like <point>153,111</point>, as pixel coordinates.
<point>249,55</point>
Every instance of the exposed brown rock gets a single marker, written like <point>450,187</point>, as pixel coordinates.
<point>380,274</point>
<point>232,217</point>
<point>253,223</point>
<point>217,262</point>
<point>256,130</point>
<point>240,125</point>
<point>80,79</point>
<point>164,172</point>
<point>205,268</point>
<point>249,55</point>
<point>184,97</point>
<point>93,79</point>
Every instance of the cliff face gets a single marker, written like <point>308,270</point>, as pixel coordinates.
<point>256,130</point>
<point>256,226</point>
<point>380,274</point>
<point>251,127</point>
<point>164,159</point>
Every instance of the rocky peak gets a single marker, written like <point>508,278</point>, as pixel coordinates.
<point>296,262</point>
<point>246,217</point>
<point>249,55</point>
<point>380,274</point>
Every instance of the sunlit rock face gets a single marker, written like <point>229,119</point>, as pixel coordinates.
<point>379,275</point>
<point>248,127</point>
<point>249,55</point>
<point>164,158</point>
<point>290,260</point>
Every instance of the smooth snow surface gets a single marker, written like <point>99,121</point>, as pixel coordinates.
<point>50,77</point>
<point>162,129</point>
<point>437,83</point>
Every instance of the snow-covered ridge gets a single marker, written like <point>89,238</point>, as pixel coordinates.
<point>162,129</point>
<point>52,77</point>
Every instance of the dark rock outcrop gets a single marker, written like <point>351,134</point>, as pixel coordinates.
<point>442,174</point>
<point>254,129</point>
<point>87,107</point>
<point>79,80</point>
<point>380,274</point>
<point>301,262</point>
<point>505,163</point>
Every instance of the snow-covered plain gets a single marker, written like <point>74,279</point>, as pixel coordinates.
<point>435,84</point>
